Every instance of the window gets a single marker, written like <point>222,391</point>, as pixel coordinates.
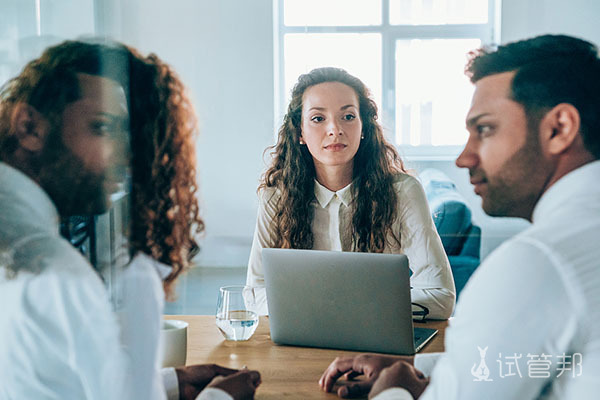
<point>410,53</point>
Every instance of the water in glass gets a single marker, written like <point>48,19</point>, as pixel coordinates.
<point>236,318</point>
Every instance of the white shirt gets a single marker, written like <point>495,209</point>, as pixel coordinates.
<point>140,307</point>
<point>431,280</point>
<point>59,338</point>
<point>539,293</point>
<point>58,335</point>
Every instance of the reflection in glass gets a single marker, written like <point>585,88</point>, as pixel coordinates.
<point>332,12</point>
<point>359,54</point>
<point>438,12</point>
<point>432,92</point>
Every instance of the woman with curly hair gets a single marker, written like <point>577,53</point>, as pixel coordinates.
<point>74,125</point>
<point>164,219</point>
<point>335,183</point>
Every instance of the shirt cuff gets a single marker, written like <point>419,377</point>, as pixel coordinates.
<point>394,393</point>
<point>214,394</point>
<point>171,383</point>
<point>425,362</point>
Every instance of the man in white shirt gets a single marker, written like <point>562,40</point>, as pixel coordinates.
<point>528,323</point>
<point>63,150</point>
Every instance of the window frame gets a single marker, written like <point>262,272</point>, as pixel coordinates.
<point>487,33</point>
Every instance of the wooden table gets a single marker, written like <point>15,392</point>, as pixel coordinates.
<point>287,372</point>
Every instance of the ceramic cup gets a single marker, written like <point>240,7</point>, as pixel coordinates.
<point>173,337</point>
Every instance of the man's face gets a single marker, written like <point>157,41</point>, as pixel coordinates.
<point>504,159</point>
<point>87,158</point>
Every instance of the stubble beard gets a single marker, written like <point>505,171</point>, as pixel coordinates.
<point>516,189</point>
<point>72,187</point>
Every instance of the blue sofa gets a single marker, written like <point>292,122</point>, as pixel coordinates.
<point>452,217</point>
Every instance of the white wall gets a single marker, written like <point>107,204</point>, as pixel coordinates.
<point>525,18</point>
<point>223,49</point>
<point>23,36</point>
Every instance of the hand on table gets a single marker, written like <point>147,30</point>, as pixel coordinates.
<point>369,365</point>
<point>400,374</point>
<point>194,378</point>
<point>240,386</point>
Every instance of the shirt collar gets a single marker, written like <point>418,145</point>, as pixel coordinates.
<point>325,195</point>
<point>22,199</point>
<point>568,189</point>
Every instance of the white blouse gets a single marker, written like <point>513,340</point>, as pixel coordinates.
<point>432,282</point>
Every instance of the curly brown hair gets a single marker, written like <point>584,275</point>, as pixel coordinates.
<point>164,208</point>
<point>292,174</point>
<point>163,205</point>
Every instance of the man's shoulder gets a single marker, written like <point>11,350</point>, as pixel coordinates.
<point>525,243</point>
<point>49,261</point>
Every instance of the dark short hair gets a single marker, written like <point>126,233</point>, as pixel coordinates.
<point>550,69</point>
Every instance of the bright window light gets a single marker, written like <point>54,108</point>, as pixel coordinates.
<point>438,12</point>
<point>432,92</point>
<point>411,54</point>
<point>332,12</point>
<point>359,54</point>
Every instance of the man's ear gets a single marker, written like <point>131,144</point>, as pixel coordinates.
<point>30,127</point>
<point>559,128</point>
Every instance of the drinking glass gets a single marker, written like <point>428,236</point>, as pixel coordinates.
<point>236,318</point>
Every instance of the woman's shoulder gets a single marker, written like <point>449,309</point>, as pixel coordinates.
<point>269,194</point>
<point>405,181</point>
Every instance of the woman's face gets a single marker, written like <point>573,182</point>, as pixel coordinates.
<point>331,124</point>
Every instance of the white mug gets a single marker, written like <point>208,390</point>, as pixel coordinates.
<point>173,341</point>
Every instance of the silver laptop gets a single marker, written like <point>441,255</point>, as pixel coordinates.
<point>341,300</point>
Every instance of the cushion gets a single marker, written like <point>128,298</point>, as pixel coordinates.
<point>449,210</point>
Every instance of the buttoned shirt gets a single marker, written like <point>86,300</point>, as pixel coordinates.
<point>528,322</point>
<point>431,280</point>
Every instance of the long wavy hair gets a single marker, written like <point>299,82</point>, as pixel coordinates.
<point>292,174</point>
<point>163,206</point>
<point>165,216</point>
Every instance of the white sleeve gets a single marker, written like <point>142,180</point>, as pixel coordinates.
<point>515,310</point>
<point>255,275</point>
<point>140,315</point>
<point>394,393</point>
<point>425,362</point>
<point>170,382</point>
<point>214,394</point>
<point>432,282</point>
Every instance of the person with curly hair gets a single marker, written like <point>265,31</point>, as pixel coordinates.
<point>335,183</point>
<point>66,125</point>
<point>165,218</point>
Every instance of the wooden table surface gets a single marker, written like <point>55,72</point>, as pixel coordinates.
<point>287,372</point>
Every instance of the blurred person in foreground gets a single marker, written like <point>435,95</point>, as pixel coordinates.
<point>66,124</point>
<point>533,152</point>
